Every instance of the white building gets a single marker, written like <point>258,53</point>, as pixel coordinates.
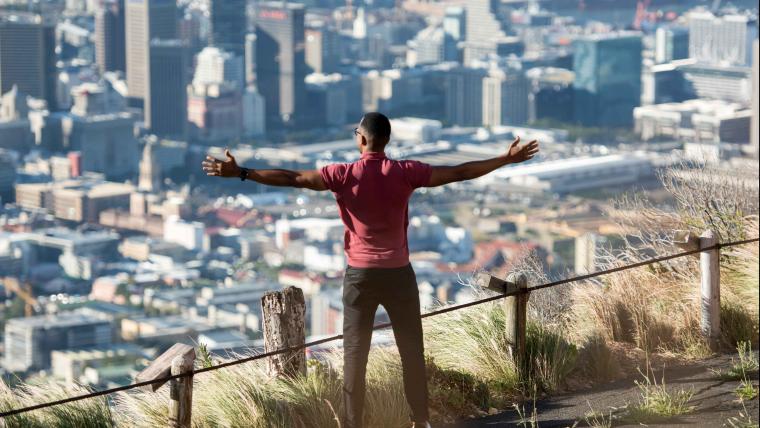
<point>215,65</point>
<point>725,39</point>
<point>187,234</point>
<point>696,121</point>
<point>416,129</point>
<point>574,174</point>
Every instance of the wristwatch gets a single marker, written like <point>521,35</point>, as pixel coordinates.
<point>243,173</point>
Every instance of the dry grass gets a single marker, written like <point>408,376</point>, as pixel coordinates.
<point>657,307</point>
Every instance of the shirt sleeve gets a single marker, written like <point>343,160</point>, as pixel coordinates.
<point>333,176</point>
<point>417,173</point>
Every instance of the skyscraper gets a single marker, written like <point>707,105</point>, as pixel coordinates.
<point>280,61</point>
<point>485,31</point>
<point>464,96</point>
<point>110,50</point>
<point>166,108</point>
<point>505,97</point>
<point>721,39</point>
<point>607,79</point>
<point>671,43</point>
<point>228,25</point>
<point>27,56</point>
<point>145,20</point>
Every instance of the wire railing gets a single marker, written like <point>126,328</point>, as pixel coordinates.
<point>375,327</point>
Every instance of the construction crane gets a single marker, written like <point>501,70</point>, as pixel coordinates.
<point>24,292</point>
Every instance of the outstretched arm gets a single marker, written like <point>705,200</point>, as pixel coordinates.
<point>467,171</point>
<point>273,177</point>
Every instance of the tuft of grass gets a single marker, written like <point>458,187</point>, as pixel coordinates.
<point>747,364</point>
<point>598,362</point>
<point>658,403</point>
<point>746,390</point>
<point>549,357</point>
<point>744,420</point>
<point>595,419</point>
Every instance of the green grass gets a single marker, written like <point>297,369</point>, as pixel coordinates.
<point>658,403</point>
<point>747,364</point>
<point>746,390</point>
<point>744,420</point>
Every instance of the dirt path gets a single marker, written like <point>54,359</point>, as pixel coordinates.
<point>714,399</point>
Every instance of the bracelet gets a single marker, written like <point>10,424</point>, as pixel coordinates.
<point>243,174</point>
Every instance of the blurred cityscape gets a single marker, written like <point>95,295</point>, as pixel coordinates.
<point>114,244</point>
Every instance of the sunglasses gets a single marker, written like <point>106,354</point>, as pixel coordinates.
<point>356,131</point>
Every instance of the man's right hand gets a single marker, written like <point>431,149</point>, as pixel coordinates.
<point>219,168</point>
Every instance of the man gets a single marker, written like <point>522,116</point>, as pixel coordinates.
<point>372,195</point>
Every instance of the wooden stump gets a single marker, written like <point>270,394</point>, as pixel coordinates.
<point>284,327</point>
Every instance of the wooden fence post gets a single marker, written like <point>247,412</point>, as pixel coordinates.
<point>284,327</point>
<point>178,359</point>
<point>709,291</point>
<point>709,262</point>
<point>515,309</point>
<point>181,392</point>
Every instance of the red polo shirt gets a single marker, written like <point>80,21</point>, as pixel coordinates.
<point>373,198</point>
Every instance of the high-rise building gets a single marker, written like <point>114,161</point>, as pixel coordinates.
<point>607,79</point>
<point>27,56</point>
<point>485,32</point>
<point>505,97</point>
<point>280,61</point>
<point>322,49</point>
<point>101,129</point>
<point>15,129</point>
<point>214,65</point>
<point>29,341</point>
<point>228,25</point>
<point>145,20</point>
<point>166,108</point>
<point>671,43</point>
<point>7,176</point>
<point>250,59</point>
<point>551,94</point>
<point>432,45</point>
<point>721,39</point>
<point>464,96</point>
<point>455,22</point>
<point>110,50</point>
<point>755,137</point>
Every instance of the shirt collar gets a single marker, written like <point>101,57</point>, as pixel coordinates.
<point>373,155</point>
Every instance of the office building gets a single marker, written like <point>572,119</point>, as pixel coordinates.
<point>505,97</point>
<point>145,20</point>
<point>721,39</point>
<point>214,65</point>
<point>322,49</point>
<point>7,176</point>
<point>228,25</point>
<point>463,89</point>
<point>694,121</point>
<point>486,32</point>
<point>280,65</point>
<point>550,95</point>
<point>665,83</point>
<point>29,341</point>
<point>455,22</point>
<point>432,45</point>
<point>80,200</point>
<point>717,82</point>
<point>102,130</point>
<point>166,109</point>
<point>110,48</point>
<point>607,79</point>
<point>15,129</point>
<point>334,99</point>
<point>254,113</point>
<point>27,56</point>
<point>671,43</point>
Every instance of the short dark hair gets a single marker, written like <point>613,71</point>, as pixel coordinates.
<point>377,126</point>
